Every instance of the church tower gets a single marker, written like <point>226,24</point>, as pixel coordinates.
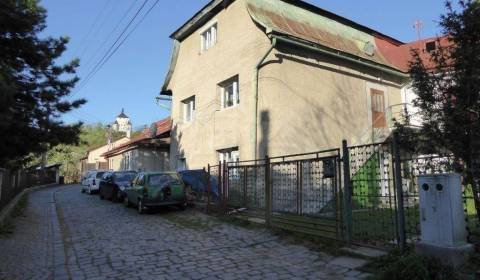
<point>123,124</point>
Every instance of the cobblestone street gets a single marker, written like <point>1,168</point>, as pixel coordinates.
<point>68,235</point>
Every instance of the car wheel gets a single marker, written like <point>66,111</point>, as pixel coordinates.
<point>126,202</point>
<point>119,197</point>
<point>140,208</point>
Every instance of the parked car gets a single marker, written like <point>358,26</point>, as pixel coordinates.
<point>155,189</point>
<point>199,184</point>
<point>91,180</point>
<point>113,184</point>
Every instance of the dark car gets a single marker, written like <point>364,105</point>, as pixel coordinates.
<point>114,184</point>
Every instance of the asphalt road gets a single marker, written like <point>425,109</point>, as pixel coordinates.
<point>64,234</point>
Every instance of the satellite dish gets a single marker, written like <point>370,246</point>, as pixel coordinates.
<point>369,48</point>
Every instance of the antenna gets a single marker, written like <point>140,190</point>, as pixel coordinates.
<point>418,25</point>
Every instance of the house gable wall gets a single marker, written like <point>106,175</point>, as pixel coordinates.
<point>239,47</point>
<point>306,102</point>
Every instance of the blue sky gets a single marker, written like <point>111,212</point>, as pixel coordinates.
<point>133,76</point>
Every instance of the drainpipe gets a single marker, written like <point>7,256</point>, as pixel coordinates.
<point>255,118</point>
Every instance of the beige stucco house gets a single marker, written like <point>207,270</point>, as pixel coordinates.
<point>150,151</point>
<point>277,77</point>
<point>94,158</point>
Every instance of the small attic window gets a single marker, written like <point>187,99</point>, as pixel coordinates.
<point>208,38</point>
<point>431,46</point>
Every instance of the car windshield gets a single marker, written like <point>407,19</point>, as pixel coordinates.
<point>126,176</point>
<point>100,174</point>
<point>163,179</point>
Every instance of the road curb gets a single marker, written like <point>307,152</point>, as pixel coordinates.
<point>7,210</point>
<point>60,270</point>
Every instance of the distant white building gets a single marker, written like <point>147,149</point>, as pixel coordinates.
<point>122,124</point>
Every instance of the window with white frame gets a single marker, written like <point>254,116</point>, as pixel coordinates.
<point>188,109</point>
<point>230,93</point>
<point>208,38</point>
<point>229,155</point>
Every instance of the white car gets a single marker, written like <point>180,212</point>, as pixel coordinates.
<point>91,181</point>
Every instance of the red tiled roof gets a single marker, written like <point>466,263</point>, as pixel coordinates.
<point>400,56</point>
<point>163,128</point>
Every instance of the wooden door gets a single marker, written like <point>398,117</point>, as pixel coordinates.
<point>379,119</point>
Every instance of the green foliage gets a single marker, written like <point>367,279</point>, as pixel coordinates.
<point>410,266</point>
<point>7,227</point>
<point>448,89</point>
<point>91,136</point>
<point>33,88</point>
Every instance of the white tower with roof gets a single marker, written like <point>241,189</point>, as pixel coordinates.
<point>123,124</point>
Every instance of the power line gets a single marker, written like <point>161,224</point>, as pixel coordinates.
<point>106,18</point>
<point>92,27</point>
<point>111,33</point>
<point>104,58</point>
<point>128,35</point>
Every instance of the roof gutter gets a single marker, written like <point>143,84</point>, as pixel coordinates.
<point>255,117</point>
<point>339,55</point>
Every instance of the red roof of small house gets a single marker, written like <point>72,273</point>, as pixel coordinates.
<point>400,56</point>
<point>162,127</point>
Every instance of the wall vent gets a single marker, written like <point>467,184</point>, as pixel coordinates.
<point>369,48</point>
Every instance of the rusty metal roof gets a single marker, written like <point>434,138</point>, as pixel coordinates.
<point>293,20</point>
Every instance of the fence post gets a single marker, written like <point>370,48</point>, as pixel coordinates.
<point>399,189</point>
<point>220,187</point>
<point>208,188</point>
<point>224,171</point>
<point>347,193</point>
<point>268,193</point>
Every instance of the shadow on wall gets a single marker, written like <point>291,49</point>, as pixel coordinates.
<point>323,125</point>
<point>177,153</point>
<point>265,130</point>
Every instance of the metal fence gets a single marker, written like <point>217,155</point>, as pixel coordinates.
<point>384,193</point>
<point>373,196</point>
<point>365,194</point>
<point>298,192</point>
<point>14,182</point>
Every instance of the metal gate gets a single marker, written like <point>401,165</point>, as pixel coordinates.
<point>296,192</point>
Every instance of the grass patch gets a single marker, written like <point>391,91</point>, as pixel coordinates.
<point>7,227</point>
<point>191,219</point>
<point>325,245</point>
<point>380,224</point>
<point>19,209</point>
<point>408,265</point>
<point>315,243</point>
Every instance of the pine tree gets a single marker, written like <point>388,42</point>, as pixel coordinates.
<point>33,88</point>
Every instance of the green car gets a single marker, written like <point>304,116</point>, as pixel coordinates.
<point>153,189</point>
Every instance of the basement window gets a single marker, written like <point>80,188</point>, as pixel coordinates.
<point>229,93</point>
<point>208,38</point>
<point>188,109</point>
